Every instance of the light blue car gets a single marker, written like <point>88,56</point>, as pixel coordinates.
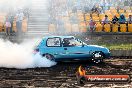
<point>67,48</point>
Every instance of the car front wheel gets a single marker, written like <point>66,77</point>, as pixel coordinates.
<point>97,57</point>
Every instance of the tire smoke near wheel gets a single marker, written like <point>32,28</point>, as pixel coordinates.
<point>14,55</point>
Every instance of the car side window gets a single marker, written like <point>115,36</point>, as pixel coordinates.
<point>53,42</point>
<point>68,42</point>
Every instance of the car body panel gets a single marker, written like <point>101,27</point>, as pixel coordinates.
<point>61,52</point>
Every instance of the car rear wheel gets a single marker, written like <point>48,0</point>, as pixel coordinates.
<point>50,57</point>
<point>98,57</point>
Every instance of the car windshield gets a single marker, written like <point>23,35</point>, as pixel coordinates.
<point>69,42</point>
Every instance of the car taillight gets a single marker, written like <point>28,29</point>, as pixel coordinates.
<point>36,51</point>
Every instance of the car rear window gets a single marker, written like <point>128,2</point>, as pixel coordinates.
<point>53,42</point>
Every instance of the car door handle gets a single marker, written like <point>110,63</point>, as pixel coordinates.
<point>65,48</point>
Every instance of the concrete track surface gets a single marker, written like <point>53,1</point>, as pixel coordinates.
<point>63,75</point>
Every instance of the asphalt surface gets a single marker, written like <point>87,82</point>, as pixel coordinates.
<point>63,75</point>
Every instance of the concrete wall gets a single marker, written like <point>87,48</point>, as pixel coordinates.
<point>104,38</point>
<point>109,38</point>
<point>121,53</point>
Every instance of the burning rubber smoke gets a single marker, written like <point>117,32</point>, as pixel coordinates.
<point>21,56</point>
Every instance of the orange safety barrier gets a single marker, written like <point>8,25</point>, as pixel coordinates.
<point>121,11</point>
<point>87,17</point>
<point>83,27</point>
<point>110,16</point>
<point>52,28</point>
<point>94,15</point>
<point>107,28</point>
<point>114,27</point>
<point>101,16</point>
<point>117,15</point>
<point>130,13</point>
<point>123,28</point>
<point>68,27</point>
<point>24,25</point>
<point>75,28</point>
<point>99,28</point>
<point>95,18</point>
<point>113,11</point>
<point>98,22</point>
<point>129,27</point>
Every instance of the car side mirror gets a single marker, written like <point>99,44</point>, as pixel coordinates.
<point>82,44</point>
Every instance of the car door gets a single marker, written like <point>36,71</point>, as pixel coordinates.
<point>73,50</point>
<point>54,47</point>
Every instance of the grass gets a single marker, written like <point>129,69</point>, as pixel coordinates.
<point>118,46</point>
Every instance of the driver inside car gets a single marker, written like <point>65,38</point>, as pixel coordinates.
<point>68,42</point>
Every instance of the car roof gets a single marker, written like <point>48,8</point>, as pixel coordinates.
<point>57,36</point>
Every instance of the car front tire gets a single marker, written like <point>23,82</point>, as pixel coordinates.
<point>97,57</point>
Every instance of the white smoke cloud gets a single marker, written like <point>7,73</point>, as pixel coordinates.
<point>14,55</point>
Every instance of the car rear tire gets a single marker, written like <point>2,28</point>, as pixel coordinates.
<point>49,57</point>
<point>98,57</point>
